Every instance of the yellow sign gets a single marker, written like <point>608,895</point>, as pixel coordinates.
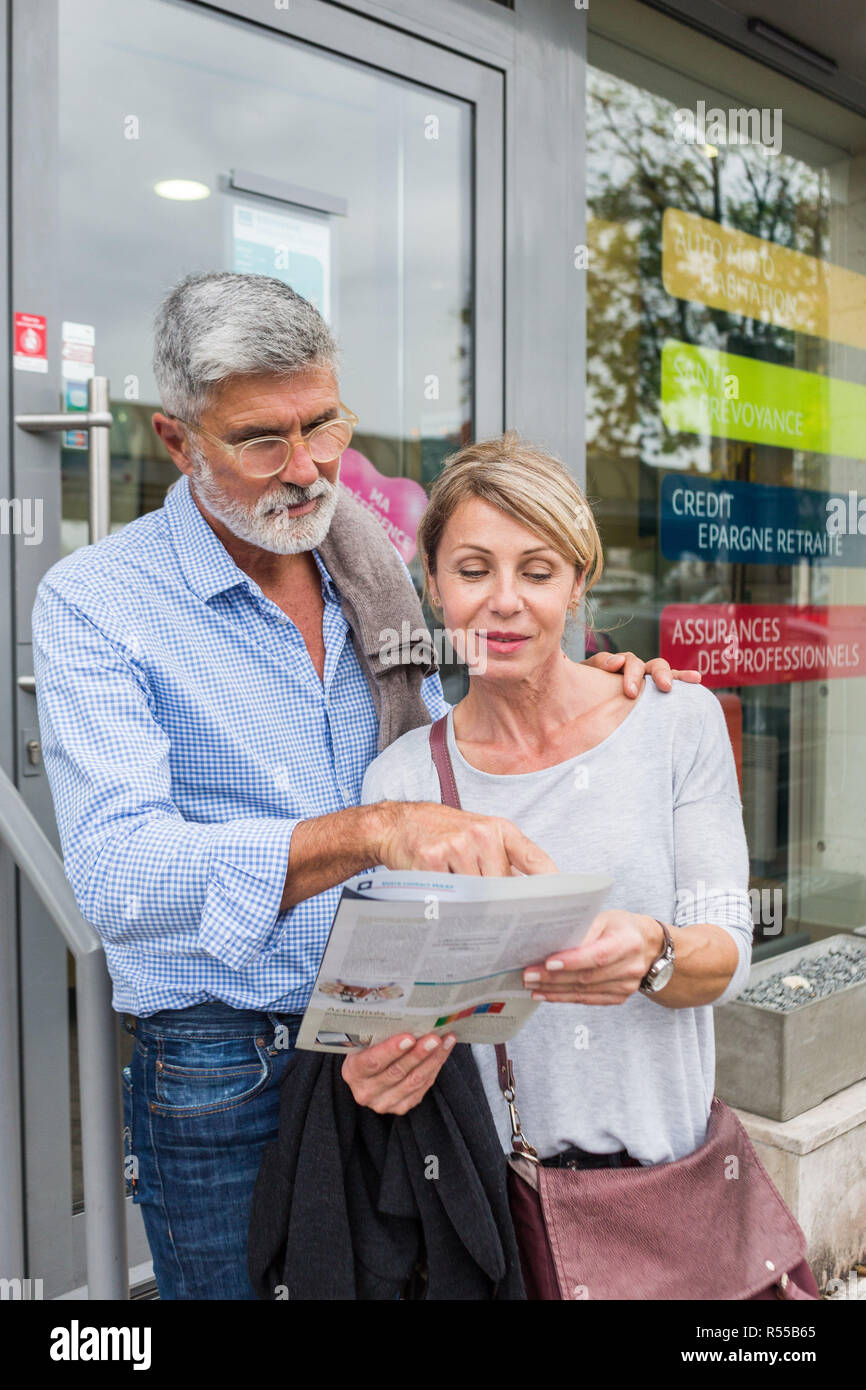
<point>724,269</point>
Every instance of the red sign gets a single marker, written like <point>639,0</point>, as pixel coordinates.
<point>765,643</point>
<point>31,354</point>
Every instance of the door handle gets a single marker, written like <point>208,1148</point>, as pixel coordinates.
<point>97,420</point>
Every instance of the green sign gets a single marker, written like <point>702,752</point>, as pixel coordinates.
<point>731,397</point>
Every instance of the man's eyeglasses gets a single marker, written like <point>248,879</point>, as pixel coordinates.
<point>269,454</point>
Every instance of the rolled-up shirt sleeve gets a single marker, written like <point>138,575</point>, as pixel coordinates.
<point>712,857</point>
<point>140,871</point>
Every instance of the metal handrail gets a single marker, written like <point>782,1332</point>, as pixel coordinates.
<point>98,1053</point>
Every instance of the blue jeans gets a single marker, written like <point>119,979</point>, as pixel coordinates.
<point>200,1101</point>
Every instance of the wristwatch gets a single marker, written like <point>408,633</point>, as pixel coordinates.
<point>661,970</point>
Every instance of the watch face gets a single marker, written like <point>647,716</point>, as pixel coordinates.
<point>666,969</point>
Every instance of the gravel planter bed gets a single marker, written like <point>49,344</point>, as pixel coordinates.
<point>782,1048</point>
<point>807,979</point>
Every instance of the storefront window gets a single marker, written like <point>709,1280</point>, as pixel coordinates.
<point>726,390</point>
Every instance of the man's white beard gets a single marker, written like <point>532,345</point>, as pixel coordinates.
<point>261,523</point>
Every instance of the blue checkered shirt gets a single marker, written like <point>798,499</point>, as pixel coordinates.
<point>185,733</point>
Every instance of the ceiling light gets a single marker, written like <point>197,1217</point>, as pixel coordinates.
<point>181,190</point>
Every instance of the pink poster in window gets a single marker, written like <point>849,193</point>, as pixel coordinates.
<point>397,503</point>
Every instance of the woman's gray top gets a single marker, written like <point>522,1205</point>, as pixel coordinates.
<point>656,806</point>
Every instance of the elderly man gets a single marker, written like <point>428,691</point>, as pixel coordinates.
<point>210,693</point>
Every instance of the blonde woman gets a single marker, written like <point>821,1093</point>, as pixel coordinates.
<point>617,1064</point>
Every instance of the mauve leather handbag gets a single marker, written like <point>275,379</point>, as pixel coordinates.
<point>709,1226</point>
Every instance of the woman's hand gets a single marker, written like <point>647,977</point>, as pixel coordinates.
<point>633,670</point>
<point>606,968</point>
<point>391,1077</point>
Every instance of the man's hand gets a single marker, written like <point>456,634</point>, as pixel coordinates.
<point>391,1077</point>
<point>425,835</point>
<point>606,968</point>
<point>633,670</point>
<point>404,835</point>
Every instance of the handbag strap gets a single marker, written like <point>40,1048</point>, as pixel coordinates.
<point>443,764</point>
<point>451,797</point>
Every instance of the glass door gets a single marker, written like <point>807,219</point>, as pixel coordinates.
<point>154,139</point>
<point>192,143</point>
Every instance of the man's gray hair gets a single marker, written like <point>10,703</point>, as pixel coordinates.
<point>219,325</point>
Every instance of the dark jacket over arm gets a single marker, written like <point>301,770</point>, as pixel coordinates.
<point>348,1203</point>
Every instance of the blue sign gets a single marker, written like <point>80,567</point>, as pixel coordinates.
<point>755,524</point>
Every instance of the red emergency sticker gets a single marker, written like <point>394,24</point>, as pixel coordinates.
<point>30,354</point>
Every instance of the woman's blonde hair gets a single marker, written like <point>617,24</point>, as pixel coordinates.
<point>527,484</point>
